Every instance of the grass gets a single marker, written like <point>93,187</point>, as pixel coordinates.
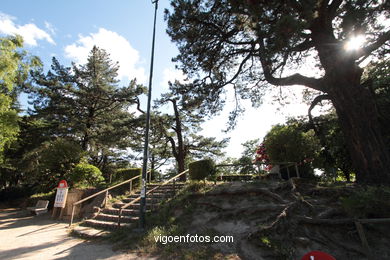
<point>171,219</point>
<point>33,199</point>
<point>368,202</point>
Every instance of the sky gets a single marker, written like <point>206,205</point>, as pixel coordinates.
<point>68,30</point>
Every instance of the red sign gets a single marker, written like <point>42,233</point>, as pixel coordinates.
<point>63,184</point>
<point>317,255</point>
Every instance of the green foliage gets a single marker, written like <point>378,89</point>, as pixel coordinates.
<point>50,196</point>
<point>85,174</point>
<point>85,103</point>
<point>371,202</point>
<point>202,169</point>
<point>181,127</point>
<point>247,159</point>
<point>19,156</point>
<point>253,45</point>
<point>51,162</point>
<point>126,173</point>
<point>14,68</point>
<point>377,78</point>
<point>289,143</point>
<point>15,192</point>
<point>335,153</point>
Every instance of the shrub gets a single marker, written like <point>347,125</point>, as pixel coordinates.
<point>11,193</point>
<point>199,170</point>
<point>373,202</point>
<point>126,173</point>
<point>85,174</point>
<point>49,163</point>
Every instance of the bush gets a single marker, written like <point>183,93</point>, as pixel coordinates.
<point>199,170</point>
<point>373,202</point>
<point>126,173</point>
<point>49,163</point>
<point>85,174</point>
<point>12,193</point>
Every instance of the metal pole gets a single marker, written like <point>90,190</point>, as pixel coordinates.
<point>71,217</point>
<point>296,169</point>
<point>146,145</point>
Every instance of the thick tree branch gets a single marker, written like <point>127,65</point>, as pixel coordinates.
<point>139,105</point>
<point>173,145</point>
<point>305,45</point>
<point>382,39</point>
<point>316,100</point>
<point>295,79</point>
<point>332,9</point>
<point>239,70</point>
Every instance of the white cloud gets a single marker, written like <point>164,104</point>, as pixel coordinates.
<point>30,32</point>
<point>172,75</point>
<point>50,28</point>
<point>116,45</point>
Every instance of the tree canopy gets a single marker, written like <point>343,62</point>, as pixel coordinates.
<point>85,103</point>
<point>14,68</point>
<point>180,129</point>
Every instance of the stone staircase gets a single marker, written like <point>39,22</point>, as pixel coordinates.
<point>107,218</point>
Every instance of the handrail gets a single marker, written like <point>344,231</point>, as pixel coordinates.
<point>256,163</point>
<point>102,191</point>
<point>148,192</point>
<point>98,193</point>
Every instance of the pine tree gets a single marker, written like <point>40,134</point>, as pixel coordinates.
<point>85,103</point>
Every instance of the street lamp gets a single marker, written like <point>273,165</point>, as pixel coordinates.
<point>146,145</point>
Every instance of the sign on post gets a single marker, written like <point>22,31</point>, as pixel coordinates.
<point>62,192</point>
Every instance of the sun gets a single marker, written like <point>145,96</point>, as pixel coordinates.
<point>355,43</point>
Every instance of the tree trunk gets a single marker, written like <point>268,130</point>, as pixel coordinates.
<point>354,105</point>
<point>358,116</point>
<point>181,154</point>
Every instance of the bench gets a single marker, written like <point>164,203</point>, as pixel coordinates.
<point>40,207</point>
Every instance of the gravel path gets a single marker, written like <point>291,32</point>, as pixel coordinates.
<point>23,236</point>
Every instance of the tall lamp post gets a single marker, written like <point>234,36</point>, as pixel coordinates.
<point>146,145</point>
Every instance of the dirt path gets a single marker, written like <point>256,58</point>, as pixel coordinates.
<point>23,236</point>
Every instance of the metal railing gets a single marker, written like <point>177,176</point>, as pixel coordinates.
<point>100,192</point>
<point>173,179</point>
<point>282,165</point>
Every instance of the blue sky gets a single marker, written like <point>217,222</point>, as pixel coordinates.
<point>69,29</point>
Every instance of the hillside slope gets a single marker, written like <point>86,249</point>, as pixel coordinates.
<point>267,219</point>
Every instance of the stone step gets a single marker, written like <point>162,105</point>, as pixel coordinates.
<point>89,232</point>
<point>148,199</point>
<point>135,205</point>
<point>168,186</point>
<point>153,195</point>
<point>125,212</point>
<point>104,224</point>
<point>114,218</point>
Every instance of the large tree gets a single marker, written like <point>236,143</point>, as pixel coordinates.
<point>14,67</point>
<point>84,102</point>
<point>181,127</point>
<point>251,44</point>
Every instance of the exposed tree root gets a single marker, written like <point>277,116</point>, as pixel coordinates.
<point>295,209</point>
<point>253,191</point>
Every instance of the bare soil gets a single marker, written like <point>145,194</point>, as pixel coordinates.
<point>23,236</point>
<point>285,220</point>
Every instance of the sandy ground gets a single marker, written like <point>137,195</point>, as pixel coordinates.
<point>23,236</point>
